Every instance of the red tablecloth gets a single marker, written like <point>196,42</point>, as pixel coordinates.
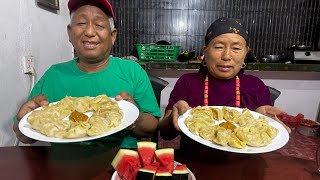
<point>301,146</point>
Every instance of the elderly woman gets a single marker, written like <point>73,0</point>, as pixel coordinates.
<point>219,81</point>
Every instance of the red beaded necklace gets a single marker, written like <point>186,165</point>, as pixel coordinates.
<point>206,91</point>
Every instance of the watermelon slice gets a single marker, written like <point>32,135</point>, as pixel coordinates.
<point>156,164</point>
<point>166,158</point>
<point>147,173</point>
<point>180,172</point>
<point>127,164</point>
<point>162,174</point>
<point>146,152</point>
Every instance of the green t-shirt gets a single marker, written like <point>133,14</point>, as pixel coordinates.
<point>66,79</point>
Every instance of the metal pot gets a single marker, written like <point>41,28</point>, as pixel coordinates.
<point>300,47</point>
<point>264,60</point>
<point>273,58</point>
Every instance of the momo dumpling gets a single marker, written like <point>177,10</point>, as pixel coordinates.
<point>253,136</point>
<point>259,140</point>
<point>230,115</point>
<point>53,128</point>
<point>81,104</point>
<point>235,142</point>
<point>103,102</point>
<point>100,125</point>
<point>223,136</point>
<point>217,113</point>
<point>78,129</point>
<point>208,132</point>
<point>202,112</point>
<point>246,117</point>
<point>196,126</point>
<point>272,131</point>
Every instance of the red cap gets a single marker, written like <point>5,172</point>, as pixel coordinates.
<point>102,4</point>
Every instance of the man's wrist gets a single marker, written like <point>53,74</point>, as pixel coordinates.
<point>131,127</point>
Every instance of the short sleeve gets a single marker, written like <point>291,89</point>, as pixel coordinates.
<point>144,94</point>
<point>179,92</point>
<point>255,93</point>
<point>263,95</point>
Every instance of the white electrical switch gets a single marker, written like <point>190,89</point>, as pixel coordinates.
<point>27,64</point>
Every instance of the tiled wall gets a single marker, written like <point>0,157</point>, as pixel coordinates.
<point>273,25</point>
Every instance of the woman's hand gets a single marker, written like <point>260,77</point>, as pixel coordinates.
<point>168,126</point>
<point>178,109</point>
<point>272,112</point>
<point>37,101</point>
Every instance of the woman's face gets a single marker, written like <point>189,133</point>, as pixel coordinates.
<point>225,55</point>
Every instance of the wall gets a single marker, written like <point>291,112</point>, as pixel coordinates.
<point>27,29</point>
<point>297,96</point>
<point>273,25</point>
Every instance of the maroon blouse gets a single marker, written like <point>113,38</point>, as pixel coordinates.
<point>190,87</point>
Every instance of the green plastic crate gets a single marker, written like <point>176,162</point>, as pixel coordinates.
<point>155,52</point>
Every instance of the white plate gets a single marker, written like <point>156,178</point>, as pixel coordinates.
<point>190,177</point>
<point>280,140</point>
<point>130,114</point>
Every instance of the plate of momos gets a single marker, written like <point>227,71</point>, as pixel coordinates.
<point>77,119</point>
<point>233,129</point>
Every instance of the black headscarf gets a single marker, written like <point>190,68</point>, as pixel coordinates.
<point>223,26</point>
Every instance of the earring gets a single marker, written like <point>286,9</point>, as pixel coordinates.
<point>243,65</point>
<point>204,63</point>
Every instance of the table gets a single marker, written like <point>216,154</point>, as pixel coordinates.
<point>32,162</point>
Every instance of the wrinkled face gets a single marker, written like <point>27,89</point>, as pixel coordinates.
<point>225,55</point>
<point>90,34</point>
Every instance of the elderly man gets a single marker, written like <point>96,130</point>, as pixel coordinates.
<point>92,33</point>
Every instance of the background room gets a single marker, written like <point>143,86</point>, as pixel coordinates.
<point>33,30</point>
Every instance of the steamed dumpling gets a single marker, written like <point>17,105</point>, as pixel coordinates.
<point>223,136</point>
<point>230,115</point>
<point>217,113</point>
<point>235,142</point>
<point>78,129</point>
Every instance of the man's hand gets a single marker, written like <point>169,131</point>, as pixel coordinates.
<point>272,112</point>
<point>37,101</point>
<point>125,96</point>
<point>146,123</point>
<point>178,109</point>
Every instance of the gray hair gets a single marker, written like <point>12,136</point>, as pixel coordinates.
<point>111,21</point>
<point>112,24</point>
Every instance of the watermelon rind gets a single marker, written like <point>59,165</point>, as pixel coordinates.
<point>181,168</point>
<point>126,163</point>
<point>180,172</point>
<point>150,144</point>
<point>166,158</point>
<point>184,176</point>
<point>162,171</point>
<point>121,153</point>
<point>146,173</point>
<point>164,151</point>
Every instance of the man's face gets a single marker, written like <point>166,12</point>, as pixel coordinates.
<point>90,34</point>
